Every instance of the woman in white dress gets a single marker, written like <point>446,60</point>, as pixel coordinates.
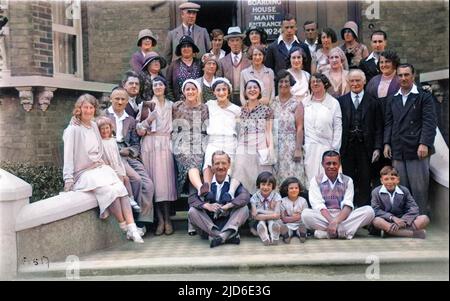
<point>84,169</point>
<point>221,129</point>
<point>301,87</point>
<point>322,123</point>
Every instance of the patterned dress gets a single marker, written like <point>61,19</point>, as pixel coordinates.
<point>285,133</point>
<point>251,140</point>
<point>188,138</point>
<point>178,72</point>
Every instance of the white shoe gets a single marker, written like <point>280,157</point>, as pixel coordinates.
<point>133,233</point>
<point>134,205</point>
<point>142,231</point>
<point>319,234</point>
<point>135,236</point>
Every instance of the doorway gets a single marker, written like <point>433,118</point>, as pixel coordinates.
<point>217,14</point>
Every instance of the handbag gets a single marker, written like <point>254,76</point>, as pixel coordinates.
<point>266,156</point>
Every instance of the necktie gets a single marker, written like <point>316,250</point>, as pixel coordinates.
<point>236,60</point>
<point>356,101</point>
<point>190,31</point>
<point>266,204</point>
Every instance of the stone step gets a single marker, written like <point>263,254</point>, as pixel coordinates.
<point>181,255</point>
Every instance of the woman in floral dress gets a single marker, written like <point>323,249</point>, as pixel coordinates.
<point>288,131</point>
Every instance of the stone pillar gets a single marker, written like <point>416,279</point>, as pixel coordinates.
<point>14,194</point>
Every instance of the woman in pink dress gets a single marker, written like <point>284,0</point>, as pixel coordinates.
<point>156,151</point>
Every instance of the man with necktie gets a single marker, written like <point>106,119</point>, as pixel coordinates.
<point>217,214</point>
<point>188,27</point>
<point>362,135</point>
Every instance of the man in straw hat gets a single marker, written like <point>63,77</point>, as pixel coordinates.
<point>188,27</point>
<point>146,41</point>
<point>234,62</point>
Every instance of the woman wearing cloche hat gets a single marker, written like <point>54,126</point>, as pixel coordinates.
<point>354,51</point>
<point>185,67</point>
<point>152,67</point>
<point>146,41</point>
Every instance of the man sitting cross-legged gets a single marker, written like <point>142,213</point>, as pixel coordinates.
<point>218,215</point>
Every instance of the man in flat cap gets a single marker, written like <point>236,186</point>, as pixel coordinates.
<point>188,27</point>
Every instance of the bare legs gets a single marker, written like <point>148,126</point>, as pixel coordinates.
<point>121,209</point>
<point>196,181</point>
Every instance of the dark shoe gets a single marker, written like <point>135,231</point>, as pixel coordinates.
<point>216,241</point>
<point>168,229</point>
<point>301,232</point>
<point>159,229</point>
<point>235,240</point>
<point>286,238</point>
<point>204,189</point>
<point>422,234</point>
<point>192,233</point>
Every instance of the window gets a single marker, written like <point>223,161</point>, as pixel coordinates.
<point>67,39</point>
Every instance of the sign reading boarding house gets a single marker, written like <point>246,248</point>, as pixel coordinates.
<point>266,14</point>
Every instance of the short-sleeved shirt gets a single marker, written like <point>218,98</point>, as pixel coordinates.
<point>271,205</point>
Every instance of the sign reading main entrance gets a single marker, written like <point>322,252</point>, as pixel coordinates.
<point>266,14</point>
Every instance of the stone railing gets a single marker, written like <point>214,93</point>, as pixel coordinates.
<point>50,230</point>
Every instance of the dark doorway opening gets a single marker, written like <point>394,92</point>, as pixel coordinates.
<point>217,14</point>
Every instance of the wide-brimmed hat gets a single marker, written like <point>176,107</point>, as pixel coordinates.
<point>234,32</point>
<point>189,6</point>
<point>146,33</point>
<point>186,40</point>
<point>261,32</point>
<point>150,57</point>
<point>352,26</point>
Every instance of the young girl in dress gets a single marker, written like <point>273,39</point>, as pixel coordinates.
<point>266,209</point>
<point>292,205</point>
<point>111,156</point>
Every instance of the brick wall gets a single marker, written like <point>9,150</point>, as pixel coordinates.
<point>417,30</point>
<point>30,41</point>
<point>42,37</point>
<point>34,136</point>
<point>112,35</point>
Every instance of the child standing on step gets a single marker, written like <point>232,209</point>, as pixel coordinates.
<point>292,205</point>
<point>266,209</point>
<point>112,157</point>
<point>396,211</point>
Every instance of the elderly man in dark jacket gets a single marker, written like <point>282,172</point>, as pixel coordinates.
<point>410,129</point>
<point>362,135</point>
<point>218,214</point>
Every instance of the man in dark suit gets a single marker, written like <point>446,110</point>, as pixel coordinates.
<point>369,66</point>
<point>278,51</point>
<point>362,135</point>
<point>187,28</point>
<point>132,85</point>
<point>410,129</point>
<point>218,215</point>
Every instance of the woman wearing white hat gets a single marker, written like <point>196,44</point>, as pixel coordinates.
<point>222,126</point>
<point>188,137</point>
